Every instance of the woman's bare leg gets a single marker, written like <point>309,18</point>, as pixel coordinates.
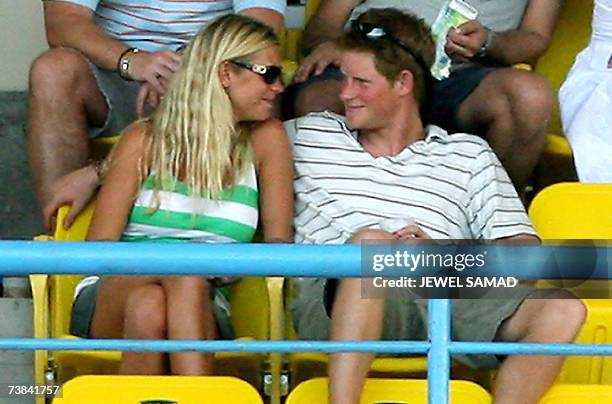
<point>133,308</point>
<point>190,317</point>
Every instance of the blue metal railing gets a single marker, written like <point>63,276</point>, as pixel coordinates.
<point>26,257</point>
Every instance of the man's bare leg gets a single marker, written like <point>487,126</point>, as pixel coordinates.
<point>524,379</point>
<point>64,101</point>
<point>511,109</point>
<point>354,318</point>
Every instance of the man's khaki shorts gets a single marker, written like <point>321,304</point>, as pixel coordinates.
<point>406,318</point>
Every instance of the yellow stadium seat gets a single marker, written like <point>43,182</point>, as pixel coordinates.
<point>308,365</point>
<point>251,318</point>
<point>388,391</point>
<point>158,390</point>
<point>102,145</point>
<point>573,211</point>
<point>581,211</point>
<point>577,394</point>
<point>40,284</point>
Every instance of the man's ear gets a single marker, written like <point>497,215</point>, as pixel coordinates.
<point>225,74</point>
<point>405,82</point>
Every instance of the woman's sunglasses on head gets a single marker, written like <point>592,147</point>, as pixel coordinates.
<point>269,74</point>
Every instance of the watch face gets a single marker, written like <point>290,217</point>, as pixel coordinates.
<point>487,43</point>
<point>123,66</point>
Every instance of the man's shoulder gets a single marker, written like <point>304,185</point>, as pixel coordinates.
<point>315,124</point>
<point>319,120</point>
<point>461,141</point>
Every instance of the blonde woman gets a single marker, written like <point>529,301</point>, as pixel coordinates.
<point>196,170</point>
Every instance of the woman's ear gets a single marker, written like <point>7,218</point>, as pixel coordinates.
<point>225,74</point>
<point>405,82</point>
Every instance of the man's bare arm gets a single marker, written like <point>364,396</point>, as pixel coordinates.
<point>533,37</point>
<point>327,23</point>
<point>523,45</point>
<point>519,239</point>
<point>269,17</point>
<point>73,26</point>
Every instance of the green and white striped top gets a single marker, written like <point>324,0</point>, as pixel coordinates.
<point>182,217</point>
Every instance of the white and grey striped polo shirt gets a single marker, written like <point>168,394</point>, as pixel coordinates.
<point>153,25</point>
<point>453,186</point>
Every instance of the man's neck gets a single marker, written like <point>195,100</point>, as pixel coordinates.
<point>394,137</point>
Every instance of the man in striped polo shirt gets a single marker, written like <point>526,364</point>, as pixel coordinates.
<point>353,174</point>
<point>103,52</point>
<point>509,107</point>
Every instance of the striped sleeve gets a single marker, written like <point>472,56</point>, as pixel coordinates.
<point>494,208</point>
<point>276,5</point>
<point>90,4</point>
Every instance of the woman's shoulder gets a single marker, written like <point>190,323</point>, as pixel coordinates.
<point>268,137</point>
<point>268,128</point>
<point>268,133</point>
<point>136,132</point>
<point>132,139</point>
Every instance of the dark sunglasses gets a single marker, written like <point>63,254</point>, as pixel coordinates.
<point>269,74</point>
<point>374,32</point>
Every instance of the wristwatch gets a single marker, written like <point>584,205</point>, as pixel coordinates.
<point>484,49</point>
<point>123,64</point>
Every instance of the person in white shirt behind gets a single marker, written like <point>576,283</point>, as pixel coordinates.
<point>586,101</point>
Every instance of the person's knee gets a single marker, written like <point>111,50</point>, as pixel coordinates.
<point>186,285</point>
<point>371,235</point>
<point>145,312</point>
<point>530,97</point>
<point>560,316</point>
<point>566,311</point>
<point>57,70</point>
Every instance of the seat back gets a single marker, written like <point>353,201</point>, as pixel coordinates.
<point>61,287</point>
<point>573,211</point>
<point>102,145</point>
<point>581,211</point>
<point>396,391</point>
<point>577,394</point>
<point>158,390</point>
<point>571,35</point>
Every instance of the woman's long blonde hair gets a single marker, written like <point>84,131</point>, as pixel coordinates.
<point>193,133</point>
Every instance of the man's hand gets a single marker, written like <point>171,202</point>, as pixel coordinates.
<point>410,232</point>
<point>75,189</point>
<point>464,42</point>
<point>317,61</point>
<point>154,68</point>
<point>147,95</point>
